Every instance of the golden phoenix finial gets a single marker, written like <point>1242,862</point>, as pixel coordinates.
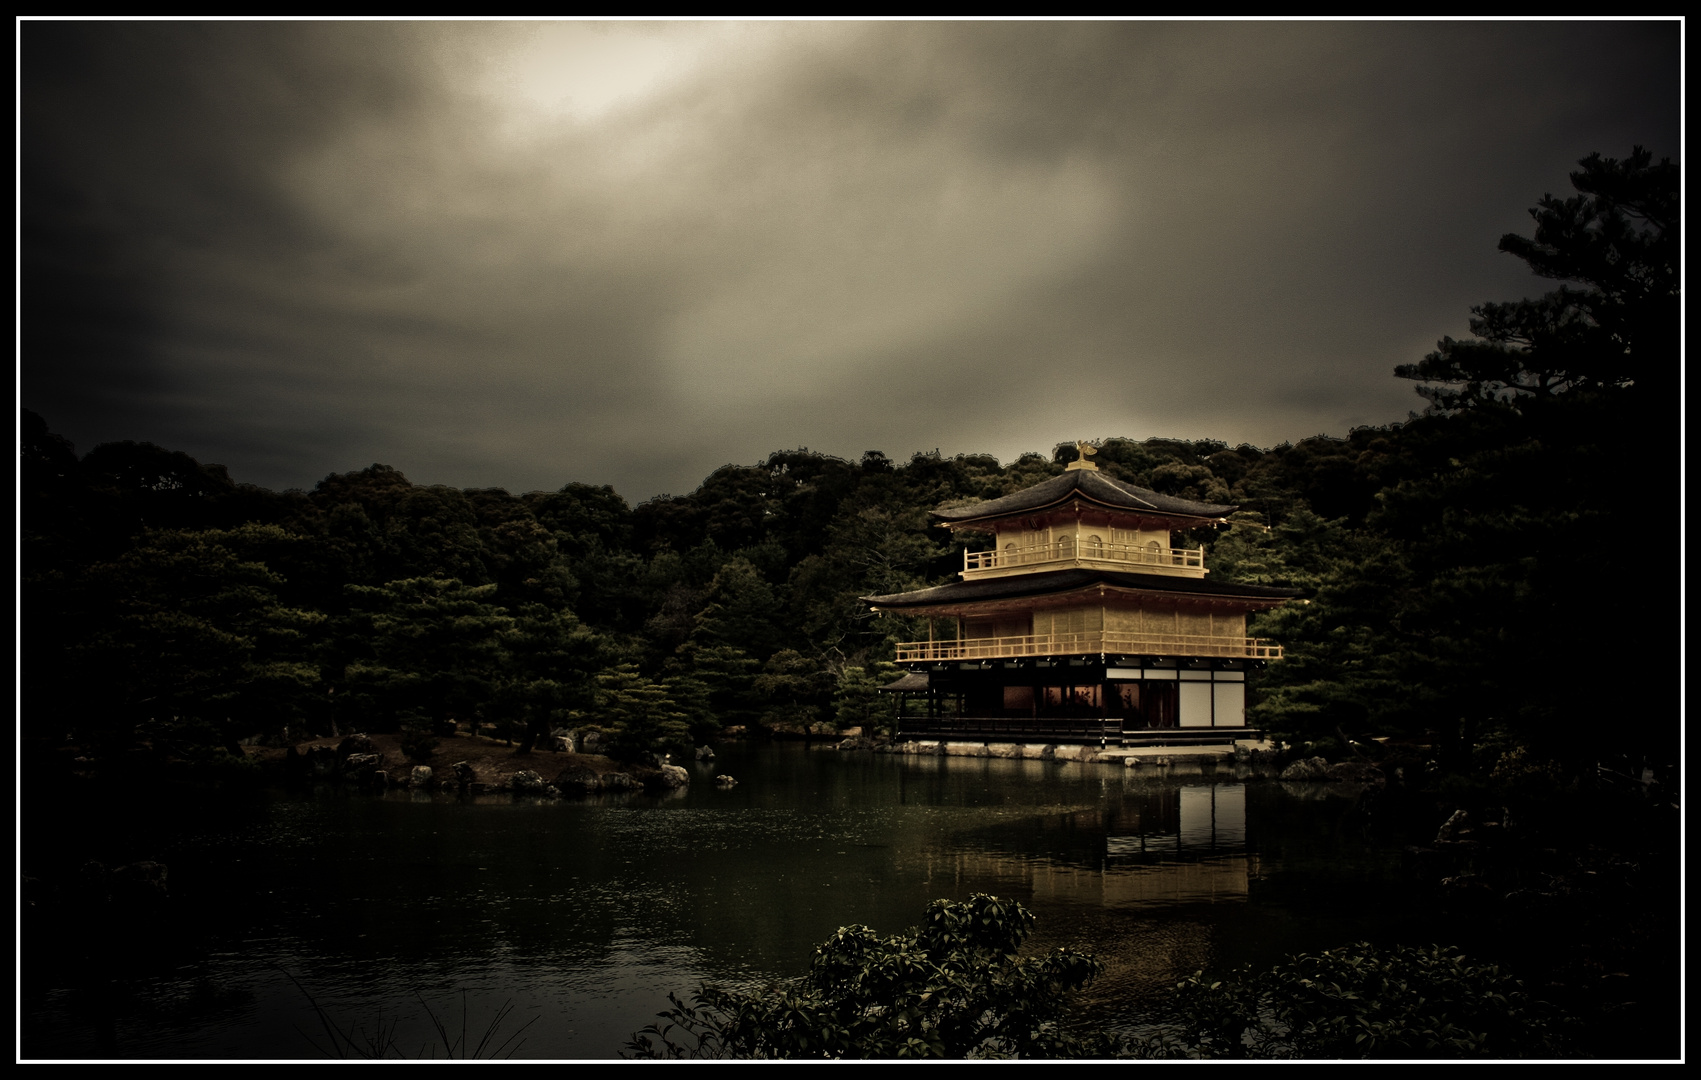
<point>1083,450</point>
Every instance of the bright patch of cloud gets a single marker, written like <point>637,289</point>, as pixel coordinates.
<point>582,71</point>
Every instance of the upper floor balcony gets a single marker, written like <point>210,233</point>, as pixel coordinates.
<point>1065,553</point>
<point>1086,643</point>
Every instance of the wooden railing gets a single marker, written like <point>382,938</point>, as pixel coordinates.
<point>1087,644</point>
<point>1131,555</point>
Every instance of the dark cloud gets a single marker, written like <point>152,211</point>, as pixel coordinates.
<point>520,255</point>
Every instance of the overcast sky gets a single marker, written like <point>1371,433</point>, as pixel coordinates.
<point>517,255</point>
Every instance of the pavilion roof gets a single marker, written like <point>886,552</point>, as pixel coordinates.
<point>911,683</point>
<point>1089,485</point>
<point>1064,581</point>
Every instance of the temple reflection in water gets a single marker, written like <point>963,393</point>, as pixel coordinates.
<point>1155,846</point>
<point>1175,845</point>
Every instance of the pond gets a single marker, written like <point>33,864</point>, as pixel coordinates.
<point>580,917</point>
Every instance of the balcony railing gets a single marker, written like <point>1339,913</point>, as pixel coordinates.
<point>1190,561</point>
<point>1086,644</point>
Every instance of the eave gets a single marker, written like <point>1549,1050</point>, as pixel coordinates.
<point>1089,489</point>
<point>1062,587</point>
<point>1159,518</point>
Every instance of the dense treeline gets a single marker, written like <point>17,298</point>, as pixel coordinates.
<point>1478,573</point>
<point>166,601</point>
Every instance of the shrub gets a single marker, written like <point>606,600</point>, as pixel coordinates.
<point>953,987</point>
<point>1361,1002</point>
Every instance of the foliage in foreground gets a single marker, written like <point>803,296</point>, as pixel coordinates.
<point>953,987</point>
<point>1359,1001</point>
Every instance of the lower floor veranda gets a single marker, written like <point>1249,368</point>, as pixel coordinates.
<point>1076,699</point>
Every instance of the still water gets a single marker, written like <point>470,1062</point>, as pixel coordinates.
<point>582,916</point>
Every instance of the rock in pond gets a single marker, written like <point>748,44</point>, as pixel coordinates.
<point>1454,828</point>
<point>527,782</point>
<point>1315,768</point>
<point>578,780</point>
<point>359,768</point>
<point>355,744</point>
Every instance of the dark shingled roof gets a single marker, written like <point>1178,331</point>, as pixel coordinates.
<point>909,684</point>
<point>1092,485</point>
<point>1060,581</point>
